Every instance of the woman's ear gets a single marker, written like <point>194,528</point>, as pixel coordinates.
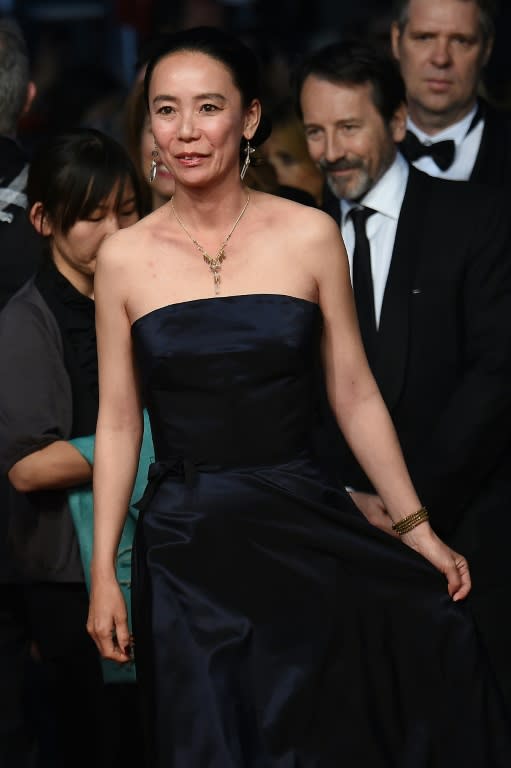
<point>252,118</point>
<point>39,220</point>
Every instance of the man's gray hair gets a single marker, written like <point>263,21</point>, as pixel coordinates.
<point>14,75</point>
<point>487,10</point>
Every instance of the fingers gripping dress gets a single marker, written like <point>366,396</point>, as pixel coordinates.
<point>275,627</point>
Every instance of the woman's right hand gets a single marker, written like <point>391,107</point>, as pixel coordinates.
<point>107,623</point>
<point>453,565</point>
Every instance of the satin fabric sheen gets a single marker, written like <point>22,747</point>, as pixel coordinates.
<point>275,628</point>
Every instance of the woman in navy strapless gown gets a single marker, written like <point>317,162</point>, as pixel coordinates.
<point>274,626</point>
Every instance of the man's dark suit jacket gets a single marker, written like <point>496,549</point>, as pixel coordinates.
<point>444,369</point>
<point>493,162</point>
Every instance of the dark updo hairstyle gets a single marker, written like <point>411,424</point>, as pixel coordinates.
<point>237,57</point>
<point>72,173</point>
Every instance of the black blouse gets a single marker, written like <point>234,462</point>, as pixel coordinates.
<point>74,314</point>
<point>48,392</point>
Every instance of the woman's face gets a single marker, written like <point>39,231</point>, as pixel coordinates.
<point>74,252</point>
<point>286,150</point>
<point>163,183</point>
<point>197,117</point>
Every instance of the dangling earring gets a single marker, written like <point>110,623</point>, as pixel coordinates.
<point>248,151</point>
<point>154,165</point>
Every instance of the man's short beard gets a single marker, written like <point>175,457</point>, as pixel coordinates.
<point>355,188</point>
<point>342,188</point>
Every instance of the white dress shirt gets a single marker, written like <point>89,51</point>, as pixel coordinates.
<point>386,198</point>
<point>467,146</point>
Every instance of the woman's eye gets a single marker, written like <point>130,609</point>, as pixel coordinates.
<point>127,213</point>
<point>209,108</point>
<point>165,110</point>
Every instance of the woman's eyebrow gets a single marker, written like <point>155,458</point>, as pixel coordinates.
<point>168,97</point>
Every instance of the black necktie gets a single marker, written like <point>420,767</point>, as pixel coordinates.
<point>442,152</point>
<point>363,280</point>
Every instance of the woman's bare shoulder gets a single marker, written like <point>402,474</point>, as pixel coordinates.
<point>120,248</point>
<point>306,238</point>
<point>288,216</point>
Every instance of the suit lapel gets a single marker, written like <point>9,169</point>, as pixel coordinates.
<point>489,167</point>
<point>390,362</point>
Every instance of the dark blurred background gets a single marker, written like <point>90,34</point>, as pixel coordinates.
<point>85,55</point>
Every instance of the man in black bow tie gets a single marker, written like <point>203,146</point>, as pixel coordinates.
<point>431,267</point>
<point>442,47</point>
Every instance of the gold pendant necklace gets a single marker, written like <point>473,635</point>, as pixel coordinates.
<point>214,262</point>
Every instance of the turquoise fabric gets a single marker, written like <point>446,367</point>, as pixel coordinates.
<point>81,508</point>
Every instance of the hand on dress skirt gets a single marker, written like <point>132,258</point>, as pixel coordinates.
<point>107,623</point>
<point>372,508</point>
<point>453,565</point>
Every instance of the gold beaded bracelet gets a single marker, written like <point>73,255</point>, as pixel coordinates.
<point>407,524</point>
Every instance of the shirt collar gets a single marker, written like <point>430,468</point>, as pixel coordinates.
<point>455,132</point>
<point>386,197</point>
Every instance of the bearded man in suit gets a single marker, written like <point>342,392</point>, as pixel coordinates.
<point>431,267</point>
<point>442,47</point>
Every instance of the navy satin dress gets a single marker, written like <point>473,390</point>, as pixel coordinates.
<point>275,628</point>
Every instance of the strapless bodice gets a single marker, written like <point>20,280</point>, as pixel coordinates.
<point>229,381</point>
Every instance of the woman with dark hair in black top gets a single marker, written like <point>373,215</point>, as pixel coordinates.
<point>81,188</point>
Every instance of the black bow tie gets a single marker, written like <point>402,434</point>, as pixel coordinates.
<point>442,152</point>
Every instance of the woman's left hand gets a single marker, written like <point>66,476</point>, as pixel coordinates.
<point>453,565</point>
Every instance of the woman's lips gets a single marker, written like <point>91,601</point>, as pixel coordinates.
<point>190,159</point>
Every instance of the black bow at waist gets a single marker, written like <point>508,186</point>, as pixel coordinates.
<point>177,467</point>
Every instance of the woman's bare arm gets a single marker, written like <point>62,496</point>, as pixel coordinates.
<point>118,439</point>
<point>361,412</point>
<point>352,390</point>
